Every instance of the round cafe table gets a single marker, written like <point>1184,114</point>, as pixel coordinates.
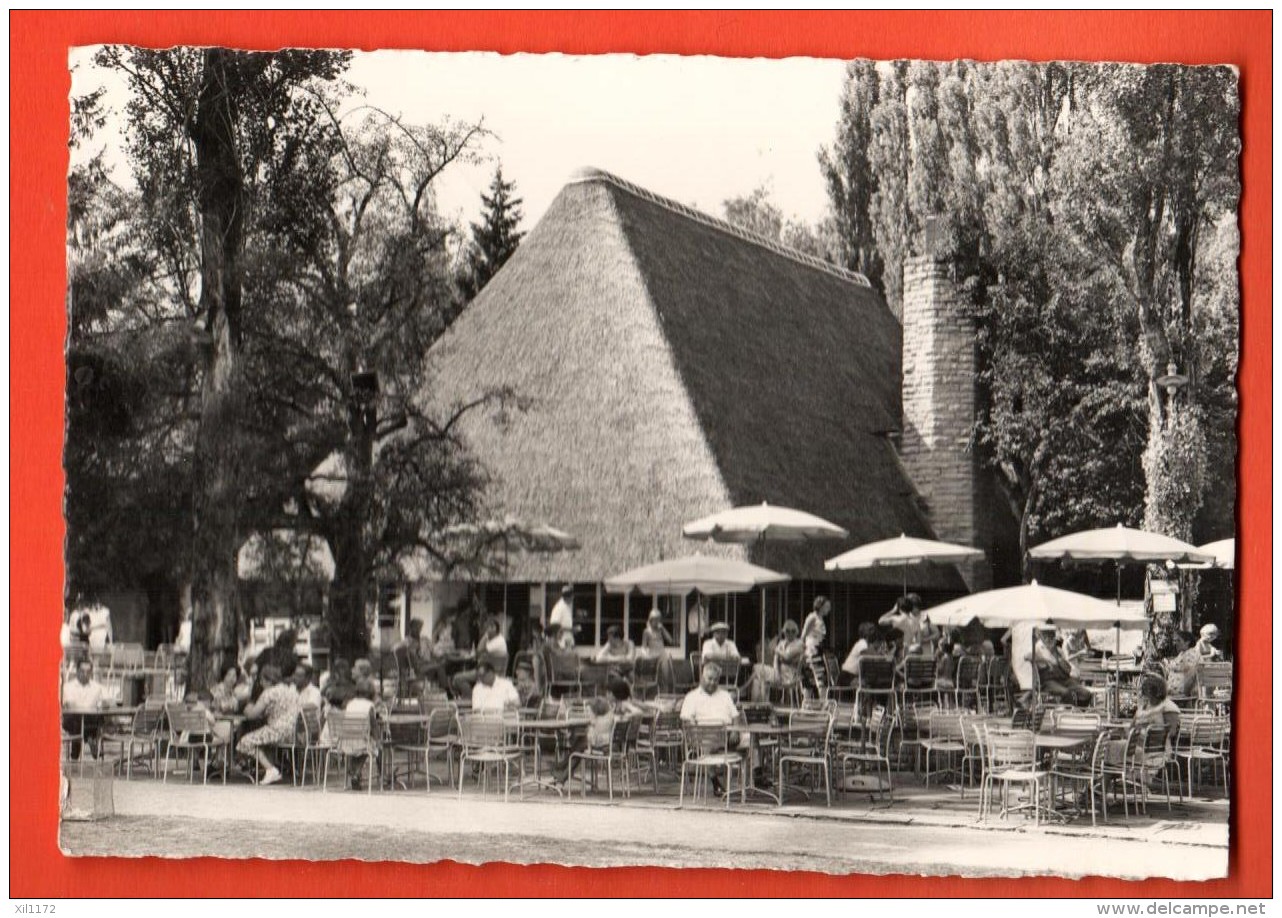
<point>752,731</point>
<point>547,725</point>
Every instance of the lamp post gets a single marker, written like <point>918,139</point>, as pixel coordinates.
<point>1172,382</point>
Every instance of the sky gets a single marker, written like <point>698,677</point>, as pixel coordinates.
<point>697,129</point>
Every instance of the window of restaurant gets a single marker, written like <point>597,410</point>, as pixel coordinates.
<point>611,614</point>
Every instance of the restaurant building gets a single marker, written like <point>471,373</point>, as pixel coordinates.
<point>669,365</point>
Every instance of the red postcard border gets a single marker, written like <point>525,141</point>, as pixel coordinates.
<point>39,85</point>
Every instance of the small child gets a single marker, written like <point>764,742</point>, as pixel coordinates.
<point>602,723</point>
<point>362,703</point>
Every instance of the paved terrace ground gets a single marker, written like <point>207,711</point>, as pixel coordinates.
<point>924,831</point>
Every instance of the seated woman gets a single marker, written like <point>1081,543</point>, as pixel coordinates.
<point>223,695</point>
<point>618,652</point>
<point>1053,672</point>
<point>278,707</point>
<point>654,642</point>
<point>597,737</point>
<point>789,654</point>
<point>1156,708</point>
<point>491,647</point>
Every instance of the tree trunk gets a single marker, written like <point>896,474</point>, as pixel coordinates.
<point>220,194</point>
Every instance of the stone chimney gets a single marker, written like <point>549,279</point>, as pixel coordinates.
<point>939,402</point>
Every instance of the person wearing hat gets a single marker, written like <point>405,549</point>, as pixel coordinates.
<point>563,612</point>
<point>719,646</point>
<point>1207,652</point>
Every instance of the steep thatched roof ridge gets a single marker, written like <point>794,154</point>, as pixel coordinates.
<point>592,174</point>
<point>794,371</point>
<point>677,366</point>
<point>610,448</point>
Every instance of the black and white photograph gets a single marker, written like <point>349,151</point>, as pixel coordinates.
<point>799,464</point>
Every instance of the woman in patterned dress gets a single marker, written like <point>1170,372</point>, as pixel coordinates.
<point>278,706</point>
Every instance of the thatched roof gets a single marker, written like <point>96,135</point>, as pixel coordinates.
<point>677,366</point>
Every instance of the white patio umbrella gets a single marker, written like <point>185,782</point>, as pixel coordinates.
<point>1223,552</point>
<point>903,553</point>
<point>513,535</point>
<point>1032,602</point>
<point>679,576</point>
<point>1119,544</point>
<point>759,524</point>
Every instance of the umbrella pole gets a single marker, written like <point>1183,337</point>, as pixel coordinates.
<point>1118,565</point>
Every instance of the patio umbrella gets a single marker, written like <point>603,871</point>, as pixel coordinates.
<point>1222,552</point>
<point>1119,544</point>
<point>759,524</point>
<point>679,576</point>
<point>513,535</point>
<point>1032,602</point>
<point>902,552</point>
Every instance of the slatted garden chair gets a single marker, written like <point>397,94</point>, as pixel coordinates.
<point>1012,759</point>
<point>707,753</point>
<point>484,742</point>
<point>807,744</point>
<point>870,750</point>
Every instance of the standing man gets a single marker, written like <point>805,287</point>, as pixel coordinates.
<point>563,612</point>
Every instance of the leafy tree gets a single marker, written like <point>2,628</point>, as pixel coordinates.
<point>888,161</point>
<point>291,258</point>
<point>495,238</point>
<point>758,213</point>
<point>845,167</point>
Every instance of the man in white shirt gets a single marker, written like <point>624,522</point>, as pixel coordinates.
<point>493,694</point>
<point>82,693</point>
<point>709,703</point>
<point>719,646</point>
<point>563,612</point>
<point>308,693</point>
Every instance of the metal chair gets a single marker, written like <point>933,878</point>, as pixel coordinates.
<point>614,755</point>
<point>483,741</point>
<point>707,752</point>
<point>918,680</point>
<point>946,739</point>
<point>966,683</point>
<point>1012,759</point>
<point>313,747</point>
<point>190,730</point>
<point>352,736</point>
<point>870,749</point>
<point>1204,739</point>
<point>1214,685</point>
<point>876,683</point>
<point>144,735</point>
<point>807,743</point>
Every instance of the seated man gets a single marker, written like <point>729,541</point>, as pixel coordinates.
<point>493,694</point>
<point>709,703</point>
<point>83,693</point>
<point>719,646</point>
<point>527,685</point>
<point>492,649</point>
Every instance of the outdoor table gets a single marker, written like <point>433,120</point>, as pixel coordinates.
<point>753,731</point>
<point>97,714</point>
<point>551,724</point>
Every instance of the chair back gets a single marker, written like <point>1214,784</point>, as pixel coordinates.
<point>593,677</point>
<point>876,734</point>
<point>666,729</point>
<point>758,714</point>
<point>966,678</point>
<point>646,669</point>
<point>1076,722</point>
<point>1154,744</point>
<point>620,733</point>
<point>1010,748</point>
<point>705,739</point>
<point>809,730</point>
<point>478,732</point>
<point>945,725</point>
<point>564,667</point>
<point>876,674</point>
<point>182,719</point>
<point>696,661</point>
<point>441,723</point>
<point>351,733</point>
<point>683,677</point>
<point>147,720</point>
<point>831,667</point>
<point>919,673</point>
<point>729,672</point>
<point>310,716</point>
<point>127,657</point>
<point>1214,681</point>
